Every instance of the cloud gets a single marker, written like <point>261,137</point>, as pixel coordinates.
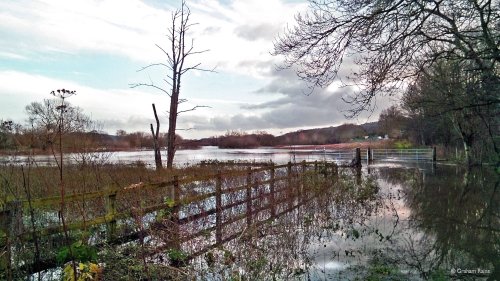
<point>296,107</point>
<point>105,26</point>
<point>132,123</point>
<point>118,106</point>
<point>131,28</point>
<point>238,34</point>
<point>265,31</point>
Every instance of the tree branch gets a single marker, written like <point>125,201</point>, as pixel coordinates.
<point>192,109</point>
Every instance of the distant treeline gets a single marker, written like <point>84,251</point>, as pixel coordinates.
<point>329,135</point>
<point>81,134</point>
<point>49,123</point>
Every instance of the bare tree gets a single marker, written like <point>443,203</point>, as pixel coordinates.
<point>392,42</point>
<point>156,143</point>
<point>177,54</point>
<point>46,117</point>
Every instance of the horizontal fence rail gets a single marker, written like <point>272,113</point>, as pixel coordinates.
<point>222,203</point>
<point>329,154</point>
<point>217,201</point>
<point>378,154</point>
<point>414,154</point>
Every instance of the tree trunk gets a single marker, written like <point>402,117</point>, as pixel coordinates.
<point>171,128</point>
<point>156,142</point>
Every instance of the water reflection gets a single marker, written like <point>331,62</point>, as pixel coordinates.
<point>187,157</point>
<point>386,222</point>
<point>396,223</point>
<point>459,210</point>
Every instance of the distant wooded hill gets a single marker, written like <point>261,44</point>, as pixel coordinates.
<point>94,140</point>
<point>328,135</point>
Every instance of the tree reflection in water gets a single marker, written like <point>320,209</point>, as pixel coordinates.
<point>395,223</point>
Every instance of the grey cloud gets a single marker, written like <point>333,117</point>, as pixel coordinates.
<point>292,109</point>
<point>223,123</point>
<point>264,67</point>
<point>256,32</point>
<point>286,117</point>
<point>132,124</point>
<point>285,81</point>
<point>210,30</point>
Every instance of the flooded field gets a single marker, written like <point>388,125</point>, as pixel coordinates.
<point>393,223</point>
<point>188,157</point>
<point>386,221</point>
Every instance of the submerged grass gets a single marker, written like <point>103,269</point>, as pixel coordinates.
<point>43,180</point>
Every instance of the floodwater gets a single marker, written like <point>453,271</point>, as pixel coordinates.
<point>395,222</point>
<point>390,221</point>
<point>189,156</point>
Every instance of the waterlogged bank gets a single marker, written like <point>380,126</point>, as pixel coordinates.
<point>392,222</point>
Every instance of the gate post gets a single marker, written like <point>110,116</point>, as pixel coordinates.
<point>357,159</point>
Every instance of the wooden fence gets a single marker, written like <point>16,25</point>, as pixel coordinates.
<point>252,195</point>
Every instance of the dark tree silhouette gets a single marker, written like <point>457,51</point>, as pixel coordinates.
<point>156,143</point>
<point>392,42</point>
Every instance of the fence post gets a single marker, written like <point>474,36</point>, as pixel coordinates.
<point>357,161</point>
<point>249,196</point>
<point>289,182</point>
<point>315,172</point>
<point>304,178</point>
<point>110,214</point>
<point>369,155</point>
<point>358,175</point>
<point>176,241</point>
<point>434,158</point>
<point>5,226</point>
<point>11,224</point>
<point>218,207</point>
<point>256,188</point>
<point>271,190</point>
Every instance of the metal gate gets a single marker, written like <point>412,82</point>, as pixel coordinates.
<point>411,154</point>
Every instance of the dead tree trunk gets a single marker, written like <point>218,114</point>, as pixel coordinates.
<point>177,53</point>
<point>156,142</point>
<point>172,123</point>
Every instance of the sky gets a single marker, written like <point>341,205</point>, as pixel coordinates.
<point>97,47</point>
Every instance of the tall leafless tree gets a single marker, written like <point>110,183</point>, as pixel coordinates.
<point>177,53</point>
<point>392,42</point>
